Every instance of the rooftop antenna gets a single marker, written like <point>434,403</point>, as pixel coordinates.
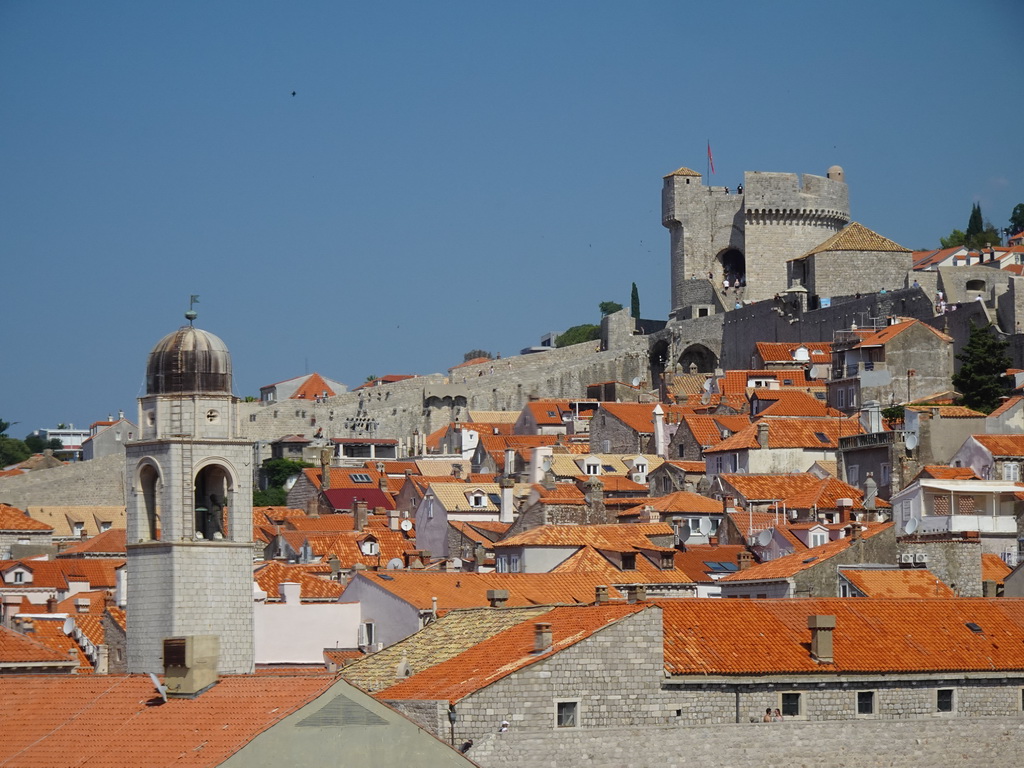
<point>191,315</point>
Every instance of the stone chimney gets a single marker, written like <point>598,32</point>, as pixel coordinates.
<point>855,532</point>
<point>541,636</point>
<point>394,523</point>
<point>745,560</point>
<point>313,507</point>
<point>510,462</point>
<point>507,505</point>
<point>660,443</point>
<point>102,658</point>
<point>497,597</point>
<point>361,515</point>
<point>382,484</point>
<point>762,434</point>
<point>457,471</point>
<point>821,637</point>
<point>51,604</point>
<point>636,593</point>
<point>600,594</point>
<point>479,556</point>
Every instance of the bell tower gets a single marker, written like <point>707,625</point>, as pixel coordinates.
<point>189,506</point>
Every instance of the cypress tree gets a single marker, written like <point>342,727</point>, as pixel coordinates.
<point>983,362</point>
<point>634,303</point>
<point>974,225</point>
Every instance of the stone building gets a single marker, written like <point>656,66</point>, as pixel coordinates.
<point>189,512</point>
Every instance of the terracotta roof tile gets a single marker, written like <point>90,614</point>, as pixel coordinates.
<point>857,237</point>
<point>506,652</point>
<point>111,542</point>
<point>313,387</point>
<point>16,648</point>
<point>624,536</point>
<point>758,637</point>
<point>640,416</point>
<point>269,576</point>
<point>942,472</point>
<point>680,502</point>
<point>993,568</point>
<point>13,519</point>
<point>819,434</point>
<point>1002,445</point>
<point>783,352</point>
<point>897,582</point>
<point>789,565</point>
<point>881,337</point>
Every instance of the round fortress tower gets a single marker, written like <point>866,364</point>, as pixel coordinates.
<point>746,234</point>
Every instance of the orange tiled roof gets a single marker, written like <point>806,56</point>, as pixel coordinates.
<point>821,434</point>
<point>101,573</point>
<point>791,402</point>
<point>313,387</point>
<point>640,416</point>
<point>856,237</point>
<point>1002,445</point>
<point>871,636</point>
<point>16,648</point>
<point>948,411</point>
<point>13,519</point>
<point>680,502</point>
<point>1009,403</point>
<point>707,430</point>
<point>602,536</point>
<point>110,542</point>
<point>50,632</point>
<point>507,652</point>
<point>346,546</point>
<point>789,565</point>
<point>782,352</point>
<point>469,590</point>
<point>942,472</point>
<point>547,412</point>
<point>693,560</point>
<point>269,576</point>
<point>115,724</point>
<point>897,582</point>
<point>993,568</point>
<point>495,445</point>
<point>885,335</point>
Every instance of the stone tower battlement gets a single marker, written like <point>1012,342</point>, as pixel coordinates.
<point>747,233</point>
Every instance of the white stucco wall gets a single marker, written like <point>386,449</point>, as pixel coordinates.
<point>293,632</point>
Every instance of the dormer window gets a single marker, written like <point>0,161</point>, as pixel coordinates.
<point>476,499</point>
<point>77,528</point>
<point>369,547</point>
<point>629,561</point>
<point>592,468</point>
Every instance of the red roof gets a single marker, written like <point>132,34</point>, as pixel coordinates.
<point>14,519</point>
<point>313,387</point>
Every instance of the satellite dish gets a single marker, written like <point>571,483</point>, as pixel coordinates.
<point>69,625</point>
<point>912,525</point>
<point>911,441</point>
<point>683,532</point>
<point>394,564</point>
<point>290,482</point>
<point>405,525</point>
<point>161,689</point>
<point>704,527</point>
<point>636,381</point>
<point>764,538</point>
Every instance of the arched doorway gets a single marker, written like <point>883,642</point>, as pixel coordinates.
<point>149,483</point>
<point>734,266</point>
<point>658,359</point>
<point>702,359</point>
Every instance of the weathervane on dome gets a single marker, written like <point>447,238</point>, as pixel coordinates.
<point>191,315</point>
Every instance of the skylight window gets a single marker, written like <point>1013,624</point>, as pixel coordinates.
<point>975,628</point>
<point>359,477</point>
<point>821,437</point>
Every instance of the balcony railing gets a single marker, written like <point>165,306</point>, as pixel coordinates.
<point>872,439</point>
<point>852,370</point>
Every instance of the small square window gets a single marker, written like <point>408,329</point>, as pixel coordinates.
<point>567,714</point>
<point>865,702</point>
<point>791,704</point>
<point>944,700</point>
<point>628,561</point>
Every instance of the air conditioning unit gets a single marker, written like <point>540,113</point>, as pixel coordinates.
<point>906,558</point>
<point>920,557</point>
<point>190,664</point>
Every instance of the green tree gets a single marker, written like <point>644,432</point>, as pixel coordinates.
<point>38,444</point>
<point>1017,219</point>
<point>634,303</point>
<point>12,450</point>
<point>955,240</point>
<point>473,354</point>
<point>578,334</point>
<point>609,307</point>
<point>974,224</point>
<point>277,471</point>
<point>983,363</point>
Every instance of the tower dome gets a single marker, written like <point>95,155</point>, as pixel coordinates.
<point>189,360</point>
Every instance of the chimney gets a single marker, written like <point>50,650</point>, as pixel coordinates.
<point>102,659</point>
<point>871,417</point>
<point>510,462</point>
<point>313,508</point>
<point>360,515</point>
<point>479,556</point>
<point>600,594</point>
<point>821,637</point>
<point>81,604</point>
<point>382,484</point>
<point>762,434</point>
<point>393,520</point>
<point>507,507</point>
<point>457,471</point>
<point>497,597</point>
<point>541,637</point>
<point>51,604</point>
<point>855,531</point>
<point>870,491</point>
<point>636,593</point>
<point>660,444</point>
<point>291,592</point>
<point>745,560</point>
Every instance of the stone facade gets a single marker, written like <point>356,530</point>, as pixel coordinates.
<point>955,559</point>
<point>966,742</point>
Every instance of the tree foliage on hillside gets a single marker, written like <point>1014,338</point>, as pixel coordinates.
<point>277,472</point>
<point>1016,224</point>
<point>474,354</point>
<point>978,235</point>
<point>12,450</point>
<point>578,334</point>
<point>983,363</point>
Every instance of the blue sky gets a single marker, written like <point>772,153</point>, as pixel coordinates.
<point>448,175</point>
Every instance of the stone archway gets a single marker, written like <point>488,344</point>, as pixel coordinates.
<point>658,360</point>
<point>734,265</point>
<point>702,358</point>
<point>148,483</point>
<point>213,488</point>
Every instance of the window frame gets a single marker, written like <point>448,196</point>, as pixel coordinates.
<point>567,705</point>
<point>872,703</point>
<point>939,710</point>
<point>785,708</point>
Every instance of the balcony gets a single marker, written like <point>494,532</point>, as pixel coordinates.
<point>853,370</point>
<point>872,439</point>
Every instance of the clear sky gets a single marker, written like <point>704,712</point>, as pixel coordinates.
<point>447,175</point>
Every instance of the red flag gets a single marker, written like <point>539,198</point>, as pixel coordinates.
<point>711,160</point>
